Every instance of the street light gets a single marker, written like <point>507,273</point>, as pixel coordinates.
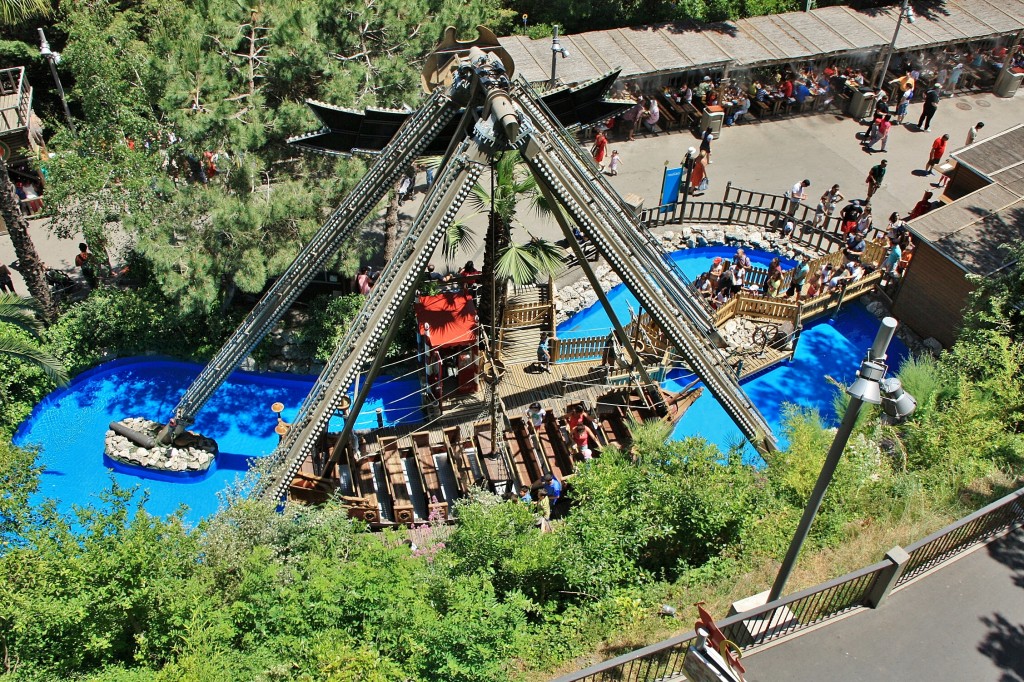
<point>556,49</point>
<point>54,58</point>
<point>905,11</point>
<point>869,387</point>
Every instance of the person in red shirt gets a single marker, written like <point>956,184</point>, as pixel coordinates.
<point>921,207</point>
<point>600,148</point>
<point>936,154</point>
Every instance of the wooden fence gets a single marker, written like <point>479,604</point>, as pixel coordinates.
<point>760,209</point>
<point>526,315</point>
<point>583,348</point>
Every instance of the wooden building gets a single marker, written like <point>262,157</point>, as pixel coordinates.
<point>983,211</point>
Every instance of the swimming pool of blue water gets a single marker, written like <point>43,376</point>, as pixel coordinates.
<point>69,425</point>
<point>827,348</point>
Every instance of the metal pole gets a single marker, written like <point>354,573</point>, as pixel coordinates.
<point>892,44</point>
<point>688,163</point>
<point>556,48</point>
<point>835,452</point>
<point>44,49</point>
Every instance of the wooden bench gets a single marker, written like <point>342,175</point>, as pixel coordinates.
<point>525,456</point>
<point>563,462</point>
<point>433,487</point>
<point>371,513</point>
<point>392,461</point>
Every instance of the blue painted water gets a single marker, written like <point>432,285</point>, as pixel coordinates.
<point>69,425</point>
<point>827,347</point>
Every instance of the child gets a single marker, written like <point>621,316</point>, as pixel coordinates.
<point>819,213</point>
<point>901,109</point>
<point>536,414</point>
<point>544,354</point>
<point>524,494</point>
<point>613,164</point>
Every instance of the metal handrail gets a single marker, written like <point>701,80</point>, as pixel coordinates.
<point>814,605</point>
<point>962,535</point>
<point>748,630</point>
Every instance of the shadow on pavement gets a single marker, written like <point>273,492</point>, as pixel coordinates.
<point>1004,643</point>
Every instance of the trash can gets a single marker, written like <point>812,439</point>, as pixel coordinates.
<point>861,102</point>
<point>712,118</point>
<point>1007,82</point>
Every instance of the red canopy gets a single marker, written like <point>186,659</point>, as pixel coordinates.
<point>452,320</point>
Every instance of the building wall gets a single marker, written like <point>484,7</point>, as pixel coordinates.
<point>933,294</point>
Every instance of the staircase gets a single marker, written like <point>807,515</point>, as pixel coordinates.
<point>529,312</point>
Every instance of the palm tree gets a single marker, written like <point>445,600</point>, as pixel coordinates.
<point>504,260</point>
<point>15,11</point>
<point>31,266</point>
<point>21,312</point>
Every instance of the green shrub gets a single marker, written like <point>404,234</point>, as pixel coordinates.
<point>115,322</point>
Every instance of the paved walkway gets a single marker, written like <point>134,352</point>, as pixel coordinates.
<point>961,623</point>
<point>768,156</point>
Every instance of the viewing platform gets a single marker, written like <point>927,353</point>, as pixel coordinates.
<point>15,111</point>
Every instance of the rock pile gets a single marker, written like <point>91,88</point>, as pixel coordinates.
<point>743,335</point>
<point>189,452</point>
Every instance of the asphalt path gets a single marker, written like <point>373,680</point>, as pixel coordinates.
<point>960,623</point>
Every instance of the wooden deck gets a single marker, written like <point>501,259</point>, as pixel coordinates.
<point>566,383</point>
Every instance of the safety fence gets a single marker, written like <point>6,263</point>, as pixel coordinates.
<point>759,209</point>
<point>980,526</point>
<point>864,588</point>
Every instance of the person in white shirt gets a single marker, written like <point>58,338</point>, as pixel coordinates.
<point>972,134</point>
<point>797,194</point>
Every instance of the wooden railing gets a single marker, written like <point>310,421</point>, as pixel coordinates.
<point>526,315</point>
<point>865,588</point>
<point>822,303</point>
<point>13,82</point>
<point>760,209</point>
<point>583,348</point>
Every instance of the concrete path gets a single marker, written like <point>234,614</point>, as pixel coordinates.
<point>963,622</point>
<point>768,156</point>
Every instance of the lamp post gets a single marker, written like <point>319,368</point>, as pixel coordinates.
<point>868,388</point>
<point>54,58</point>
<point>556,49</point>
<point>905,11</point>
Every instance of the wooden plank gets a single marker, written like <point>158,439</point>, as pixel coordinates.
<point>427,466</point>
<point>401,500</point>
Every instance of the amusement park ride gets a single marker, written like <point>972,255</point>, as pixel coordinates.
<point>474,112</point>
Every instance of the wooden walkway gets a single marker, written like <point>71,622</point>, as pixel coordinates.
<point>566,383</point>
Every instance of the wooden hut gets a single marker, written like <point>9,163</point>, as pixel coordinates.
<point>985,211</point>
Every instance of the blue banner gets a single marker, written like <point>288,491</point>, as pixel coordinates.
<point>670,188</point>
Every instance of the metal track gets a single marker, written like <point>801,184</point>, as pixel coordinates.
<point>605,219</point>
<point>410,140</point>
<point>377,321</point>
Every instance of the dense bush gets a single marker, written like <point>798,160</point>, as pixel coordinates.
<point>113,322</point>
<point>22,385</point>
